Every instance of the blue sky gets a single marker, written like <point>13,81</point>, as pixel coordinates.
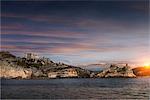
<point>77,32</point>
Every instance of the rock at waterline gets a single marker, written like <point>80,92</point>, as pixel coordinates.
<point>117,71</point>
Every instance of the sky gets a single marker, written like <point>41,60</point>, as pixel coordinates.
<point>78,32</point>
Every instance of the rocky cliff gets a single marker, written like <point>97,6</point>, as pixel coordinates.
<point>15,67</point>
<point>117,71</point>
<point>9,68</point>
<point>8,71</point>
<point>142,71</point>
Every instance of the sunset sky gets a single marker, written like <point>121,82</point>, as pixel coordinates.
<point>78,32</point>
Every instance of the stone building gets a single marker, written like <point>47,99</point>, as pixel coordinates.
<point>31,56</point>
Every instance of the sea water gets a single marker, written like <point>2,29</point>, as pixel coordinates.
<point>77,88</point>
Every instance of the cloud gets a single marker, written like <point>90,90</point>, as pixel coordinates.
<point>55,33</point>
<point>14,26</point>
<point>8,47</point>
<point>84,25</point>
<point>52,19</point>
<point>141,6</point>
<point>68,48</point>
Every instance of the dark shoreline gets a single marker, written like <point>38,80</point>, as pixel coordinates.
<point>74,78</point>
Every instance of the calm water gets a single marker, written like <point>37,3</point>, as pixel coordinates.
<point>104,88</point>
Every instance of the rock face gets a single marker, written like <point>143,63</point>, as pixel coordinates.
<point>7,71</point>
<point>68,72</point>
<point>141,71</point>
<point>116,71</point>
<point>14,67</point>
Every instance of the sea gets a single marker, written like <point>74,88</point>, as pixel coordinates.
<point>77,88</point>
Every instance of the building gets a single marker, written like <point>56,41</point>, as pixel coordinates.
<point>31,56</point>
